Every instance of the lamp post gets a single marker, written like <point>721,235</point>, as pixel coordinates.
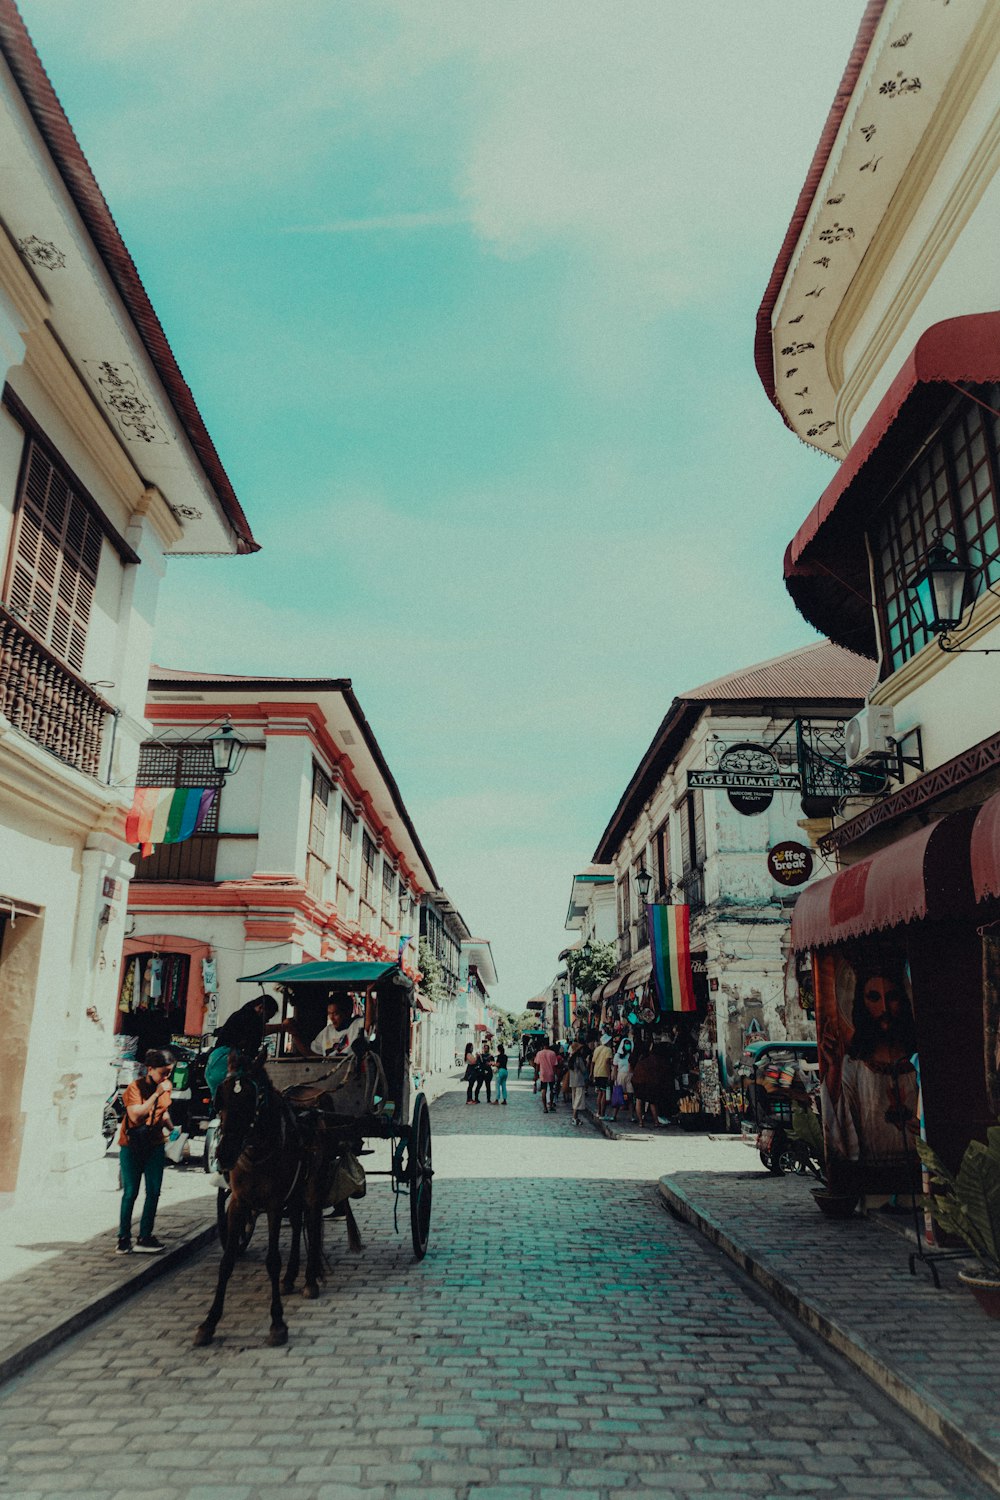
<point>228,749</point>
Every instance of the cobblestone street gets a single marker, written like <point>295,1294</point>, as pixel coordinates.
<point>565,1339</point>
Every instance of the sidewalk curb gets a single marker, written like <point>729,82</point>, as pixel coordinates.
<point>933,1418</point>
<point>19,1357</point>
<point>601,1125</point>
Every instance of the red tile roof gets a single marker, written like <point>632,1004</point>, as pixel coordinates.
<point>822,671</point>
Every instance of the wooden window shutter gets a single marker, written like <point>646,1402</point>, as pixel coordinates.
<point>57,551</point>
<point>321,788</point>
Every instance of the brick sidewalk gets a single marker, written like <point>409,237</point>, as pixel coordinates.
<point>58,1276</point>
<point>933,1352</point>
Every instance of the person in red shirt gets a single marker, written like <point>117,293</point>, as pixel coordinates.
<point>547,1062</point>
<point>141,1154</point>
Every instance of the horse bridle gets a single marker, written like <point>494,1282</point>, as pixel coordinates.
<point>288,1118</point>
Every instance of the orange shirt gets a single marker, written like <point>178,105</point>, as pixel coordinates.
<point>137,1093</point>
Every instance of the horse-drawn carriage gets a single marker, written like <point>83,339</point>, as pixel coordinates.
<point>292,1128</point>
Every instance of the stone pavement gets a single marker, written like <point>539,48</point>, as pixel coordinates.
<point>57,1268</point>
<point>933,1351</point>
<point>565,1339</point>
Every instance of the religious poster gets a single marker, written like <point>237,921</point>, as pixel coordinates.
<point>869,1089</point>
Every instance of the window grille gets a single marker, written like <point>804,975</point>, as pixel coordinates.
<point>181,763</point>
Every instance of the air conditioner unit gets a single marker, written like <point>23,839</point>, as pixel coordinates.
<point>868,735</point>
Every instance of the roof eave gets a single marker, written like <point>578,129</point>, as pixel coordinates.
<point>72,166</point>
<point>763,346</point>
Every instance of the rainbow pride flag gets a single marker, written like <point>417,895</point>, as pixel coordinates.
<point>670,945</point>
<point>167,814</point>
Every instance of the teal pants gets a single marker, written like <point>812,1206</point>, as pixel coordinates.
<point>134,1170</point>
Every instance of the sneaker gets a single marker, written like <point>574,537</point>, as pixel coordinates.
<point>124,1245</point>
<point>149,1245</point>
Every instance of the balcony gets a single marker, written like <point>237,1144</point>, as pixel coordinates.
<point>692,886</point>
<point>46,701</point>
<point>193,859</point>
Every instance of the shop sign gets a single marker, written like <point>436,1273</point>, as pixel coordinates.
<point>790,863</point>
<point>750,774</point>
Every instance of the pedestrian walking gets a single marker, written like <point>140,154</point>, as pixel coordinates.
<point>501,1076</point>
<point>601,1064</point>
<point>546,1063</point>
<point>141,1152</point>
<point>621,1076</point>
<point>579,1071</point>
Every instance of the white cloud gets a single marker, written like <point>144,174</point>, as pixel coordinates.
<point>429,220</point>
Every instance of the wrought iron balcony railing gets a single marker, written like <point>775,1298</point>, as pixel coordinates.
<point>692,884</point>
<point>49,703</point>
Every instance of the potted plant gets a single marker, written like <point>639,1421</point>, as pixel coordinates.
<point>808,1131</point>
<point>967,1204</point>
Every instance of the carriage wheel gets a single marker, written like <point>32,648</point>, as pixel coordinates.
<point>421,1176</point>
<point>222,1222</point>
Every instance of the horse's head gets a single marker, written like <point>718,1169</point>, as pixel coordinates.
<point>239,1102</point>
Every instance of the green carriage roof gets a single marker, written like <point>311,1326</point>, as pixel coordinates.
<point>327,973</point>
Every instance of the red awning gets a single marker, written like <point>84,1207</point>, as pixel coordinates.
<point>985,850</point>
<point>479,1026</point>
<point>422,1003</point>
<point>826,564</point>
<point>884,891</point>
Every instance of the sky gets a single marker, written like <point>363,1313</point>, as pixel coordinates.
<point>465,291</point>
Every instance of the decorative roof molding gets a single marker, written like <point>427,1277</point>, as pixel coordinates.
<point>72,167</point>
<point>911,75</point>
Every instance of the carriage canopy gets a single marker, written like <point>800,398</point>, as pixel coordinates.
<point>329,972</point>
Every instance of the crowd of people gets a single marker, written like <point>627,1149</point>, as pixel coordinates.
<point>626,1074</point>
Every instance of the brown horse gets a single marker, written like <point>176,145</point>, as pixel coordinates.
<point>261,1147</point>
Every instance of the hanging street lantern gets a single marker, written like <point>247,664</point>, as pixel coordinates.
<point>941,585</point>
<point>643,881</point>
<point>228,749</point>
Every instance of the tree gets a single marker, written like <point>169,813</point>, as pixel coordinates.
<point>589,967</point>
<point>432,984</point>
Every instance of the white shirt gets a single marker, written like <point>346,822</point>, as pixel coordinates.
<point>334,1041</point>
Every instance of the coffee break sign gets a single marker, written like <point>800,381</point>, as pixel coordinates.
<point>790,863</point>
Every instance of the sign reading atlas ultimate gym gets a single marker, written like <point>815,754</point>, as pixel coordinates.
<point>750,774</point>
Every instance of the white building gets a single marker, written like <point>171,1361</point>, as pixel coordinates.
<point>883,306</point>
<point>309,853</point>
<point>444,930</point>
<point>712,850</point>
<point>592,906</point>
<point>106,470</point>
<point>478,972</point>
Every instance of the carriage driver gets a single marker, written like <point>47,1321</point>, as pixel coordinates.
<point>343,1030</point>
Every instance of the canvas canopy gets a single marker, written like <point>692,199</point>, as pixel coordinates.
<point>327,973</point>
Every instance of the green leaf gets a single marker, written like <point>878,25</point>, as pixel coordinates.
<point>977,1188</point>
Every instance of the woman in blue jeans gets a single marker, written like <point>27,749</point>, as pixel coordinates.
<point>501,1076</point>
<point>141,1152</point>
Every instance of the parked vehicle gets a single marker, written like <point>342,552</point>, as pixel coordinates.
<point>778,1076</point>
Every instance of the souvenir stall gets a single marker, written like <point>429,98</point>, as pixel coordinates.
<point>168,995</point>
